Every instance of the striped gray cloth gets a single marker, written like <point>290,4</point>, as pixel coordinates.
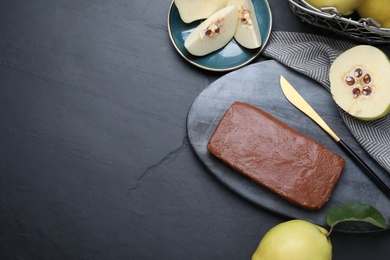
<point>312,56</point>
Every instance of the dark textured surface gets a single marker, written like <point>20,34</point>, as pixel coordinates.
<point>95,162</point>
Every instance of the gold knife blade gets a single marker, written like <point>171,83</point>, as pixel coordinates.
<point>299,102</point>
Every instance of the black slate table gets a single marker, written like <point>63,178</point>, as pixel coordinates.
<point>95,162</point>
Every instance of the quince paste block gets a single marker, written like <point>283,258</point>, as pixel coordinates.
<point>276,156</point>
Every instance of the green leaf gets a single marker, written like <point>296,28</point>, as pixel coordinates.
<point>355,211</point>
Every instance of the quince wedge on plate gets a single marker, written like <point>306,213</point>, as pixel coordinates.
<point>248,31</point>
<point>192,10</point>
<point>213,33</point>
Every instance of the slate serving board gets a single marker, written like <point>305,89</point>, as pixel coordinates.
<point>258,85</point>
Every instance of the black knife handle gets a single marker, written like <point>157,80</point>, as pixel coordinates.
<point>370,173</point>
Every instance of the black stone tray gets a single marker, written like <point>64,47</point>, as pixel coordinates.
<point>258,85</point>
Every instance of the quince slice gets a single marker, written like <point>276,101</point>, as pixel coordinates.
<point>192,10</point>
<point>213,33</point>
<point>248,31</point>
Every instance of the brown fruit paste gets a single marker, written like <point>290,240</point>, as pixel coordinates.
<point>276,156</point>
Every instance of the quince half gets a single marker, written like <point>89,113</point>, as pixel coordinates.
<point>359,82</point>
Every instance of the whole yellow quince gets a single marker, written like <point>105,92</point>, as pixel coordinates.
<point>345,7</point>
<point>295,240</point>
<point>379,10</point>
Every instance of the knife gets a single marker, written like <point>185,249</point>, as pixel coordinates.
<point>298,101</point>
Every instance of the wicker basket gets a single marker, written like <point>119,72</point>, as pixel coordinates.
<point>365,30</point>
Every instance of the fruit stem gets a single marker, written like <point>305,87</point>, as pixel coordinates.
<point>330,231</point>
